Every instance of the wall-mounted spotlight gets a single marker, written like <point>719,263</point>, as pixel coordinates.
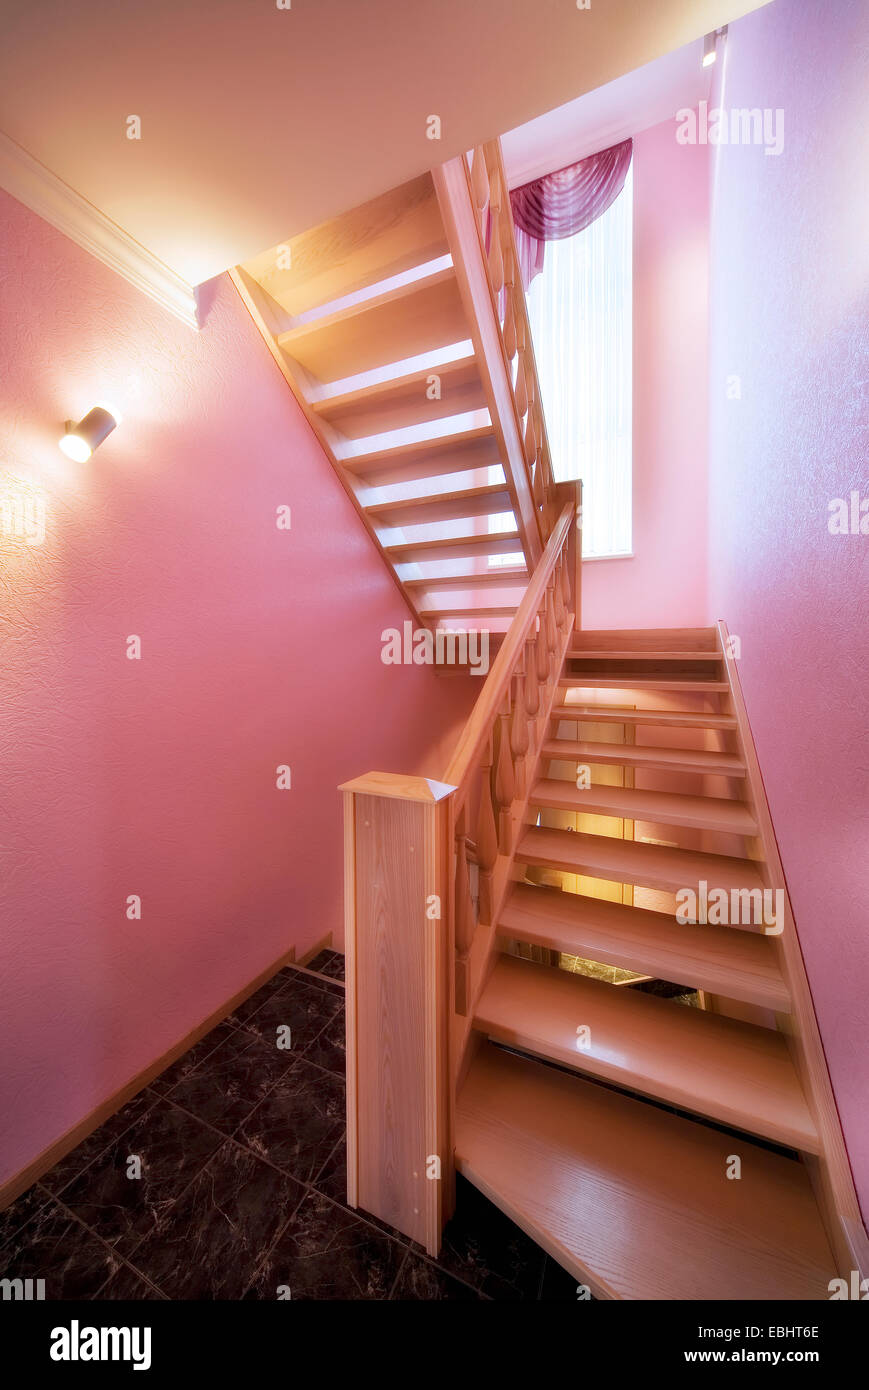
<point>81,439</point>
<point>709,45</point>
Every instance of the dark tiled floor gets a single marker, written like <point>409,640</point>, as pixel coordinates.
<point>240,1147</point>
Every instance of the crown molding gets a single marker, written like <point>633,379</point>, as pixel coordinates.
<point>52,199</point>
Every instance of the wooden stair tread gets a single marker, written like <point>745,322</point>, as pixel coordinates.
<point>660,682</point>
<point>639,639</point>
<point>458,451</point>
<point>738,964</point>
<point>733,1072</point>
<point>674,719</point>
<point>433,615</point>
<point>457,548</point>
<point>602,654</point>
<point>490,500</point>
<point>397,401</point>
<point>630,861</point>
<point>500,578</point>
<point>632,1200</point>
<point>644,755</point>
<point>398,323</point>
<point>670,808</point>
<point>391,233</point>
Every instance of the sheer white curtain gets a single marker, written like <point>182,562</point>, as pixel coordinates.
<point>580,312</point>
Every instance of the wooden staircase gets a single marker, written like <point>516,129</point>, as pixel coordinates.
<point>401,328</point>
<point>658,1147</point>
<point>513,926</point>
<point>627,1186</point>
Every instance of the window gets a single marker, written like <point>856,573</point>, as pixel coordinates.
<point>580,312</point>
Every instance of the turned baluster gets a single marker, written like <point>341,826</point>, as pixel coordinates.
<point>565,583</point>
<point>537,488</point>
<point>480,186</point>
<point>519,734</point>
<point>496,257</point>
<point>487,835</point>
<point>552,639</point>
<point>464,902</point>
<point>521,392</point>
<point>532,685</point>
<point>465,917</point>
<point>509,325</point>
<point>558,595</point>
<point>542,650</point>
<point>530,436</point>
<point>505,782</point>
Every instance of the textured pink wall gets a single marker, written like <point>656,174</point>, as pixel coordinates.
<point>789,319</point>
<point>664,585</point>
<point>259,647</point>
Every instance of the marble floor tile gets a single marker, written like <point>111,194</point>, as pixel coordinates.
<point>208,1245</point>
<point>235,1078</point>
<point>303,1007</point>
<point>172,1146</point>
<point>54,1247</point>
<point>297,1125</point>
<point>329,1048</point>
<point>58,1177</point>
<point>325,1252</point>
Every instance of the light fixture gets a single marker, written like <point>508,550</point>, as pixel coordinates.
<point>709,50</point>
<point>81,439</point>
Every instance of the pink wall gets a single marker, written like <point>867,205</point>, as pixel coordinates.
<point>259,647</point>
<point>789,318</point>
<point>664,585</point>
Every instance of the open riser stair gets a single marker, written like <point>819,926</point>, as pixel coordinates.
<point>402,329</point>
<point>572,967</point>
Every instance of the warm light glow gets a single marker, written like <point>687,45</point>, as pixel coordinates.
<point>75,448</point>
<point>709,50</point>
<point>81,439</point>
<point>708,59</point>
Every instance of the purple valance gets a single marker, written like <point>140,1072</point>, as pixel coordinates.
<point>561,204</point>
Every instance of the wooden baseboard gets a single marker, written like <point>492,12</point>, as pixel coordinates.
<point>14,1186</point>
<point>324,944</point>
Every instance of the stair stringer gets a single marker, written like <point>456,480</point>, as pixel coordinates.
<point>830,1171</point>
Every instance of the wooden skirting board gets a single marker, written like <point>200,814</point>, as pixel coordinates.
<point>14,1186</point>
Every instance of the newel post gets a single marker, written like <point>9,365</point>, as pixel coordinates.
<point>399,953</point>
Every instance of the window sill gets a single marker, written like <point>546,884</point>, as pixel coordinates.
<point>593,559</point>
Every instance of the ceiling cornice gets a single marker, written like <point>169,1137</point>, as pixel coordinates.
<point>50,198</point>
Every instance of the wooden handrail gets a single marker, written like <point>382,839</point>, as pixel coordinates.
<point>491,696</point>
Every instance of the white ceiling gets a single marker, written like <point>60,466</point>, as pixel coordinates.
<point>611,113</point>
<point>259,122</point>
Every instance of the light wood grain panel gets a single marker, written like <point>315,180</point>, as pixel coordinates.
<point>385,236</point>
<point>634,1201</point>
<point>628,861</point>
<point>398,1037</point>
<point>742,965</point>
<point>385,328</point>
<point>646,755</point>
<point>666,808</point>
<point>733,1072</point>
